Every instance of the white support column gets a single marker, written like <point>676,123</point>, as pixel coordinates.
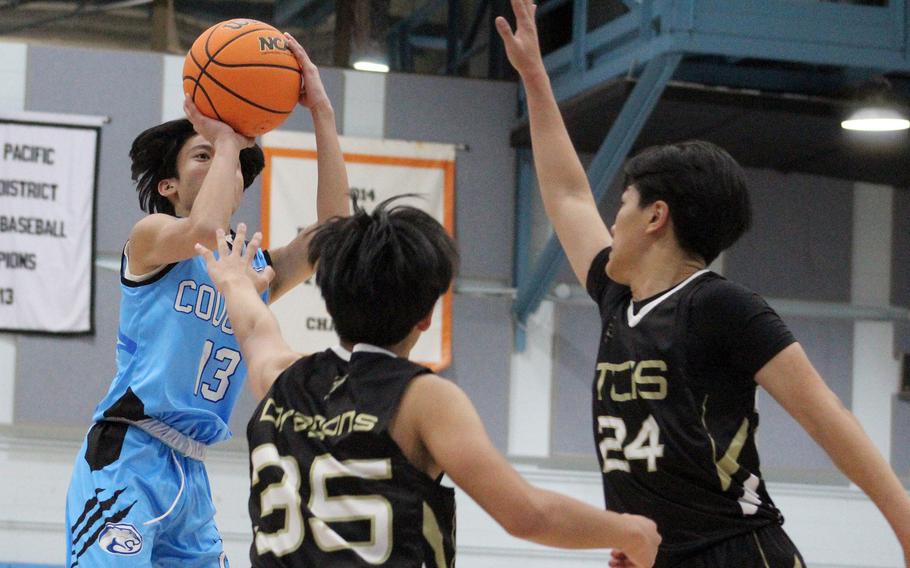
<point>172,88</point>
<point>530,387</point>
<point>13,58</point>
<point>364,104</point>
<point>876,370</point>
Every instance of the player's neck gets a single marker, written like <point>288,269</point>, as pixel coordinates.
<point>403,347</point>
<point>661,269</point>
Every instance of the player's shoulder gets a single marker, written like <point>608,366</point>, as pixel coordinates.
<point>326,360</point>
<point>432,388</point>
<point>150,223</point>
<point>714,294</point>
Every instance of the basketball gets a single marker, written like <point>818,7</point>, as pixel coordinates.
<point>242,73</point>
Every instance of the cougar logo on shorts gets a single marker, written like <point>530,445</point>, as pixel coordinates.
<point>120,539</point>
<point>100,517</point>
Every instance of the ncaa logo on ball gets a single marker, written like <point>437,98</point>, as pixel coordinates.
<point>122,539</point>
<point>268,44</point>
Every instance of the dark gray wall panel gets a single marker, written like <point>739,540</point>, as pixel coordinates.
<point>900,428</point>
<point>479,114</point>
<point>787,452</point>
<point>481,351</point>
<point>900,246</point>
<point>800,244</point>
<point>574,357</point>
<point>126,86</point>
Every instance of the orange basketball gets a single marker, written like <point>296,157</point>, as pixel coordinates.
<point>242,73</point>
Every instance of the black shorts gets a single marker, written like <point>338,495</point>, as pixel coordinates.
<point>768,547</point>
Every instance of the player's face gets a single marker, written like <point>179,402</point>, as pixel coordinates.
<point>628,237</point>
<point>193,164</point>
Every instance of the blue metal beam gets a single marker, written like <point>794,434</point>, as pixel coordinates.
<point>579,33</point>
<point>808,81</point>
<point>606,164</point>
<point>871,37</point>
<point>611,35</point>
<point>656,34</point>
<point>453,36</point>
<point>431,42</point>
<point>610,66</point>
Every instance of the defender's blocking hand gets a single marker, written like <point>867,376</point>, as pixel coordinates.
<point>235,264</point>
<point>522,46</point>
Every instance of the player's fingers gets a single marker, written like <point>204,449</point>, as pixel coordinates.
<point>267,274</point>
<point>239,239</point>
<point>188,107</point>
<point>302,57</point>
<point>524,16</point>
<point>520,9</point>
<point>204,252</point>
<point>253,247</point>
<point>295,49</point>
<point>505,31</point>
<point>222,243</point>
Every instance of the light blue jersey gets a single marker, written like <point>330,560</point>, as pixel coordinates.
<point>139,494</point>
<point>178,362</point>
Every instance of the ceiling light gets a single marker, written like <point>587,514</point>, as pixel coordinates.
<point>876,119</point>
<point>373,66</point>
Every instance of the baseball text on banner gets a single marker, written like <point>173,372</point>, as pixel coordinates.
<point>47,201</point>
<point>377,170</point>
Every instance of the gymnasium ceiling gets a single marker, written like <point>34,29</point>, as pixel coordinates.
<point>767,114</point>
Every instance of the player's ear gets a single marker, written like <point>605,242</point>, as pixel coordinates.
<point>660,215</point>
<point>167,187</point>
<point>425,323</point>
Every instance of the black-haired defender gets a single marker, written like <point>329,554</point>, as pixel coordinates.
<point>346,463</point>
<point>682,349</point>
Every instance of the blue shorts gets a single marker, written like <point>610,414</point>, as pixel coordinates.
<point>133,501</point>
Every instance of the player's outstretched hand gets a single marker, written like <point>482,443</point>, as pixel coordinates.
<point>522,47</point>
<point>312,91</point>
<point>211,129</point>
<point>235,264</point>
<point>640,549</point>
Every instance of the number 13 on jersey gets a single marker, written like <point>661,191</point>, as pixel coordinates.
<point>215,370</point>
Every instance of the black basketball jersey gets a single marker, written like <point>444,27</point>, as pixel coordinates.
<point>330,488</point>
<point>674,408</point>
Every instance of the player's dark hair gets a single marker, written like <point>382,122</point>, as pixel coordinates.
<point>154,155</point>
<point>705,189</point>
<point>382,272</point>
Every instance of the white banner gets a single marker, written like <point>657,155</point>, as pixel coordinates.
<point>47,203</point>
<point>377,170</point>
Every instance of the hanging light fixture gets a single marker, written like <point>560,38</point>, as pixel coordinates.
<point>878,109</point>
<point>876,119</point>
<point>374,66</point>
<point>361,27</point>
